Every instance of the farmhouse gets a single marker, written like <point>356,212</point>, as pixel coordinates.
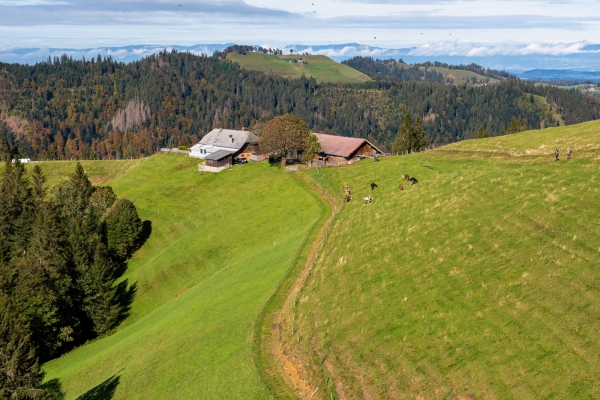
<point>229,140</point>
<point>341,148</point>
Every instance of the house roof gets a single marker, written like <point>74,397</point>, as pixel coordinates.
<point>218,155</point>
<point>340,145</point>
<point>223,138</point>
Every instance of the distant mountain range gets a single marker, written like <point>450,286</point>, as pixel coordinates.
<point>560,61</point>
<point>560,74</point>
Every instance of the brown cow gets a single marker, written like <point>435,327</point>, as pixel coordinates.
<point>347,190</point>
<point>406,177</point>
<point>348,198</point>
<point>401,187</point>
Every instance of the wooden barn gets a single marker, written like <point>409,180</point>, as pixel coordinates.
<point>217,161</point>
<point>341,148</point>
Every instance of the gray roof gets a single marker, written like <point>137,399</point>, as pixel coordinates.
<point>218,155</point>
<point>223,138</point>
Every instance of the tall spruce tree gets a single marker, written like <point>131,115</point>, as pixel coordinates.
<point>123,227</point>
<point>44,289</point>
<point>20,375</point>
<point>411,137</point>
<point>99,301</point>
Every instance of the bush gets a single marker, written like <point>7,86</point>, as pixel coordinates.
<point>122,226</point>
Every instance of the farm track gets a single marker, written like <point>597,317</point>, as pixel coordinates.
<point>282,365</point>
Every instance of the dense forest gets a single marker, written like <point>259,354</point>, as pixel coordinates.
<point>392,70</point>
<point>99,108</point>
<point>60,254</point>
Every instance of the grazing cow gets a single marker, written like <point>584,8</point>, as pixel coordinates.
<point>348,192</point>
<point>413,181</point>
<point>406,177</point>
<point>401,187</point>
<point>348,198</point>
<point>368,199</point>
<point>373,186</point>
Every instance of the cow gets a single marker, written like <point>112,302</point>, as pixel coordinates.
<point>373,186</point>
<point>368,199</point>
<point>413,181</point>
<point>401,187</point>
<point>406,177</point>
<point>348,198</point>
<point>348,191</point>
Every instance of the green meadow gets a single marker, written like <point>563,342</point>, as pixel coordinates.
<point>322,68</point>
<point>479,282</point>
<point>219,247</point>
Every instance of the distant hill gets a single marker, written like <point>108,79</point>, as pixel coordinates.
<point>560,75</point>
<point>430,72</point>
<point>322,68</point>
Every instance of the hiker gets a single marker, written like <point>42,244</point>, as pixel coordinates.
<point>556,153</point>
<point>568,153</point>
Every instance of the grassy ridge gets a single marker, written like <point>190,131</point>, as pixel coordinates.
<point>322,68</point>
<point>218,249</point>
<point>482,280</point>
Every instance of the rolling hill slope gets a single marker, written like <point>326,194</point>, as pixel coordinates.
<point>481,281</point>
<point>322,68</point>
<point>218,249</point>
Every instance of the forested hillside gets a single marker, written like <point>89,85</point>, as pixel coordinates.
<point>99,108</point>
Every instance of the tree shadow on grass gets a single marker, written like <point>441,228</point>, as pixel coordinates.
<point>53,390</point>
<point>144,234</point>
<point>121,266</point>
<point>104,391</point>
<point>124,298</point>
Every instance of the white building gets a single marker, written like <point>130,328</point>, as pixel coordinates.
<point>223,139</point>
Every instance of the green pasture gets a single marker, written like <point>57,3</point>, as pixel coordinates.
<point>322,68</point>
<point>480,282</point>
<point>220,245</point>
<point>538,145</point>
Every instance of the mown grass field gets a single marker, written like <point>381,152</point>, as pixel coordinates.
<point>322,68</point>
<point>220,245</point>
<point>480,282</point>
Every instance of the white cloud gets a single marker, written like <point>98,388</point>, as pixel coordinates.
<point>454,48</point>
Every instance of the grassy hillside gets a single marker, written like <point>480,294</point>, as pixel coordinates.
<point>322,68</point>
<point>479,282</point>
<point>220,245</point>
<point>460,76</point>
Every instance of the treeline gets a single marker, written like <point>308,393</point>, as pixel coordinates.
<point>244,49</point>
<point>60,254</point>
<point>99,108</point>
<point>392,70</point>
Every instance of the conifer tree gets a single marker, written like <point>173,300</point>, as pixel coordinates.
<point>44,290</point>
<point>99,292</point>
<point>122,227</point>
<point>20,374</point>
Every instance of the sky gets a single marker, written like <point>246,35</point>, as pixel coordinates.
<point>474,28</point>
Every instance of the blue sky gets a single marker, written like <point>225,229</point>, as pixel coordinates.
<point>439,27</point>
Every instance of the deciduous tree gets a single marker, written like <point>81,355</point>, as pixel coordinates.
<point>283,135</point>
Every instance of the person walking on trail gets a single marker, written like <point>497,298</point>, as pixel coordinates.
<point>568,153</point>
<point>556,153</point>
